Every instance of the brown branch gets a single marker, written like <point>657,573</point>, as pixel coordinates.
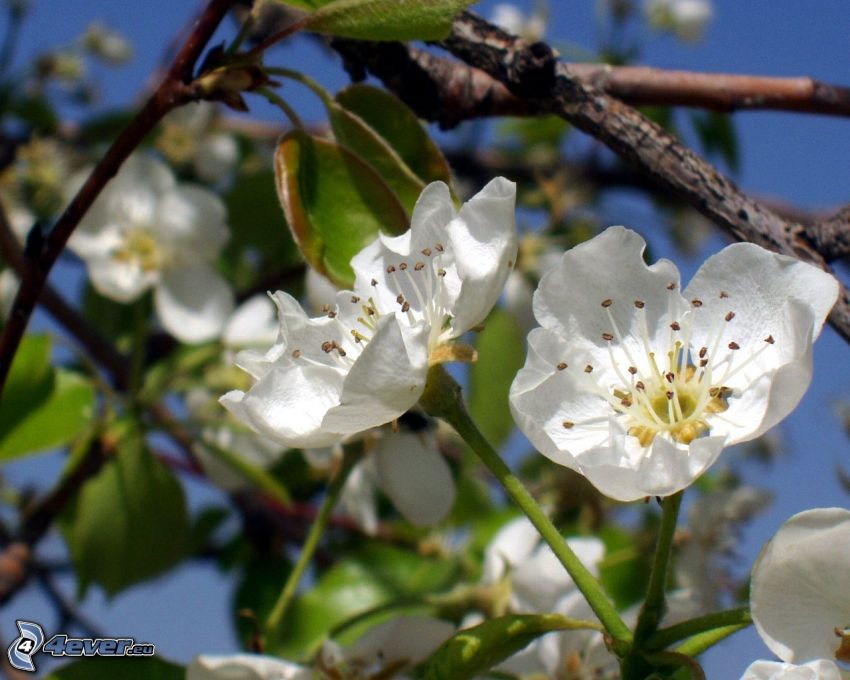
<point>832,236</point>
<point>41,254</point>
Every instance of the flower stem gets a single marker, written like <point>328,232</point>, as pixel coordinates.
<point>699,643</point>
<point>667,636</point>
<point>442,398</point>
<point>350,457</point>
<point>653,607</point>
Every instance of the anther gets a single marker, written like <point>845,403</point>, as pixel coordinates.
<point>607,302</point>
<point>296,353</point>
<point>639,385</point>
<point>671,286</point>
<point>696,302</point>
<point>331,314</point>
<point>374,282</point>
<point>441,272</point>
<point>340,350</point>
<point>626,401</point>
<point>703,363</point>
<point>607,337</point>
<point>567,424</point>
<point>729,316</point>
<point>403,266</point>
<point>633,370</point>
<point>439,247</point>
<point>675,326</point>
<point>426,252</point>
<point>769,340</point>
<point>588,369</point>
<point>406,306</point>
<point>561,366</point>
<point>670,377</point>
<point>640,304</point>
<point>355,299</point>
<point>326,308</point>
<point>327,346</point>
<point>400,298</point>
<point>702,352</point>
<point>390,269</point>
<point>669,395</point>
<point>714,391</point>
<point>734,345</point>
<point>723,294</point>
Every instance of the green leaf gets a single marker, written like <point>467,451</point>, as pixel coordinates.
<point>501,353</point>
<point>42,408</point>
<point>129,523</point>
<point>391,118</point>
<point>108,668</point>
<point>388,19</point>
<point>305,4</point>
<point>334,202</point>
<point>55,421</point>
<point>473,650</point>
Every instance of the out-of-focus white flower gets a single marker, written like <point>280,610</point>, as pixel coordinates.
<point>365,363</point>
<point>253,324</point>
<point>245,667</point>
<point>639,386</point>
<point>146,231</point>
<point>822,669</point>
<point>800,589</point>
<point>107,44</point>
<point>687,19</point>
<point>702,561</point>
<point>512,19</point>
<point>188,139</point>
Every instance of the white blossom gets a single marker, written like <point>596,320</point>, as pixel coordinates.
<point>364,363</point>
<point>147,231</point>
<point>822,669</point>
<point>638,385</point>
<point>687,19</point>
<point>800,589</point>
<point>512,19</point>
<point>245,667</point>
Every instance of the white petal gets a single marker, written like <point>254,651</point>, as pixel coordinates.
<point>483,241</point>
<point>386,380</point>
<point>511,545</point>
<point>193,303</point>
<point>822,669</point>
<point>253,323</point>
<point>217,156</point>
<point>358,496</point>
<point>288,404</point>
<point>800,589</point>
<point>191,219</point>
<point>415,476</point>
<point>608,267</point>
<point>122,281</point>
<point>245,667</point>
<point>771,296</point>
<point>318,291</point>
<point>406,638</point>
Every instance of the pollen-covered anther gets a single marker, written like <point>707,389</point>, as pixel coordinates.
<point>640,304</point>
<point>327,346</point>
<point>426,252</point>
<point>296,353</point>
<point>439,247</point>
<point>419,266</point>
<point>729,316</point>
<point>734,345</point>
<point>399,299</point>
<point>403,266</point>
<point>607,302</point>
<point>702,352</point>
<point>441,272</point>
<point>671,286</point>
<point>390,269</point>
<point>769,340</point>
<point>607,337</point>
<point>405,307</point>
<point>568,424</point>
<point>670,377</point>
<point>332,314</point>
<point>355,299</point>
<point>561,365</point>
<point>588,369</point>
<point>696,302</point>
<point>633,370</point>
<point>374,282</point>
<point>723,295</point>
<point>669,394</point>
<point>675,326</point>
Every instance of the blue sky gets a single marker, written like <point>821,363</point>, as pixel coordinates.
<point>801,159</point>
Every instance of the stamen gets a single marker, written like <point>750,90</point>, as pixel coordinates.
<point>729,316</point>
<point>296,353</point>
<point>734,345</point>
<point>390,269</point>
<point>374,282</point>
<point>588,369</point>
<point>419,266</point>
<point>723,294</point>
<point>769,340</point>
<point>696,302</point>
<point>640,304</point>
<point>439,247</point>
<point>607,337</point>
<point>355,299</point>
<point>675,326</point>
<point>403,266</point>
<point>607,302</point>
<point>426,252</point>
<point>327,346</point>
<point>568,424</point>
<point>561,366</point>
<point>671,286</point>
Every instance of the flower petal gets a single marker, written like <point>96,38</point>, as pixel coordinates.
<point>191,219</point>
<point>406,638</point>
<point>245,667</point>
<point>800,590</point>
<point>253,323</point>
<point>511,545</point>
<point>822,669</point>
<point>415,476</point>
<point>193,303</point>
<point>483,241</point>
<point>358,496</point>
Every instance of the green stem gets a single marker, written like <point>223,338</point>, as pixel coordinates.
<point>275,620</point>
<point>653,607</point>
<point>667,636</point>
<point>442,398</point>
<point>259,477</point>
<point>307,81</point>
<point>282,104</point>
<point>699,643</point>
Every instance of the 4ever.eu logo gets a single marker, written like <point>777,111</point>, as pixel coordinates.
<point>31,641</point>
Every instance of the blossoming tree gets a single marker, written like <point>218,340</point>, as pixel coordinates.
<point>449,416</point>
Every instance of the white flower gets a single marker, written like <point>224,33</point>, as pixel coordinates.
<point>512,19</point>
<point>187,138</point>
<point>639,386</point>
<point>687,19</point>
<point>821,669</point>
<point>146,231</point>
<point>245,667</point>
<point>253,324</point>
<point>365,362</point>
<point>800,589</point>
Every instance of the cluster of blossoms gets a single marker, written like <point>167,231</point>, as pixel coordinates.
<point>686,19</point>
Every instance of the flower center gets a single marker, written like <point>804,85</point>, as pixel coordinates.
<point>674,392</point>
<point>140,247</point>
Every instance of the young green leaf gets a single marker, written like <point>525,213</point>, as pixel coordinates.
<point>334,202</point>
<point>129,523</point>
<point>387,19</point>
<point>392,120</point>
